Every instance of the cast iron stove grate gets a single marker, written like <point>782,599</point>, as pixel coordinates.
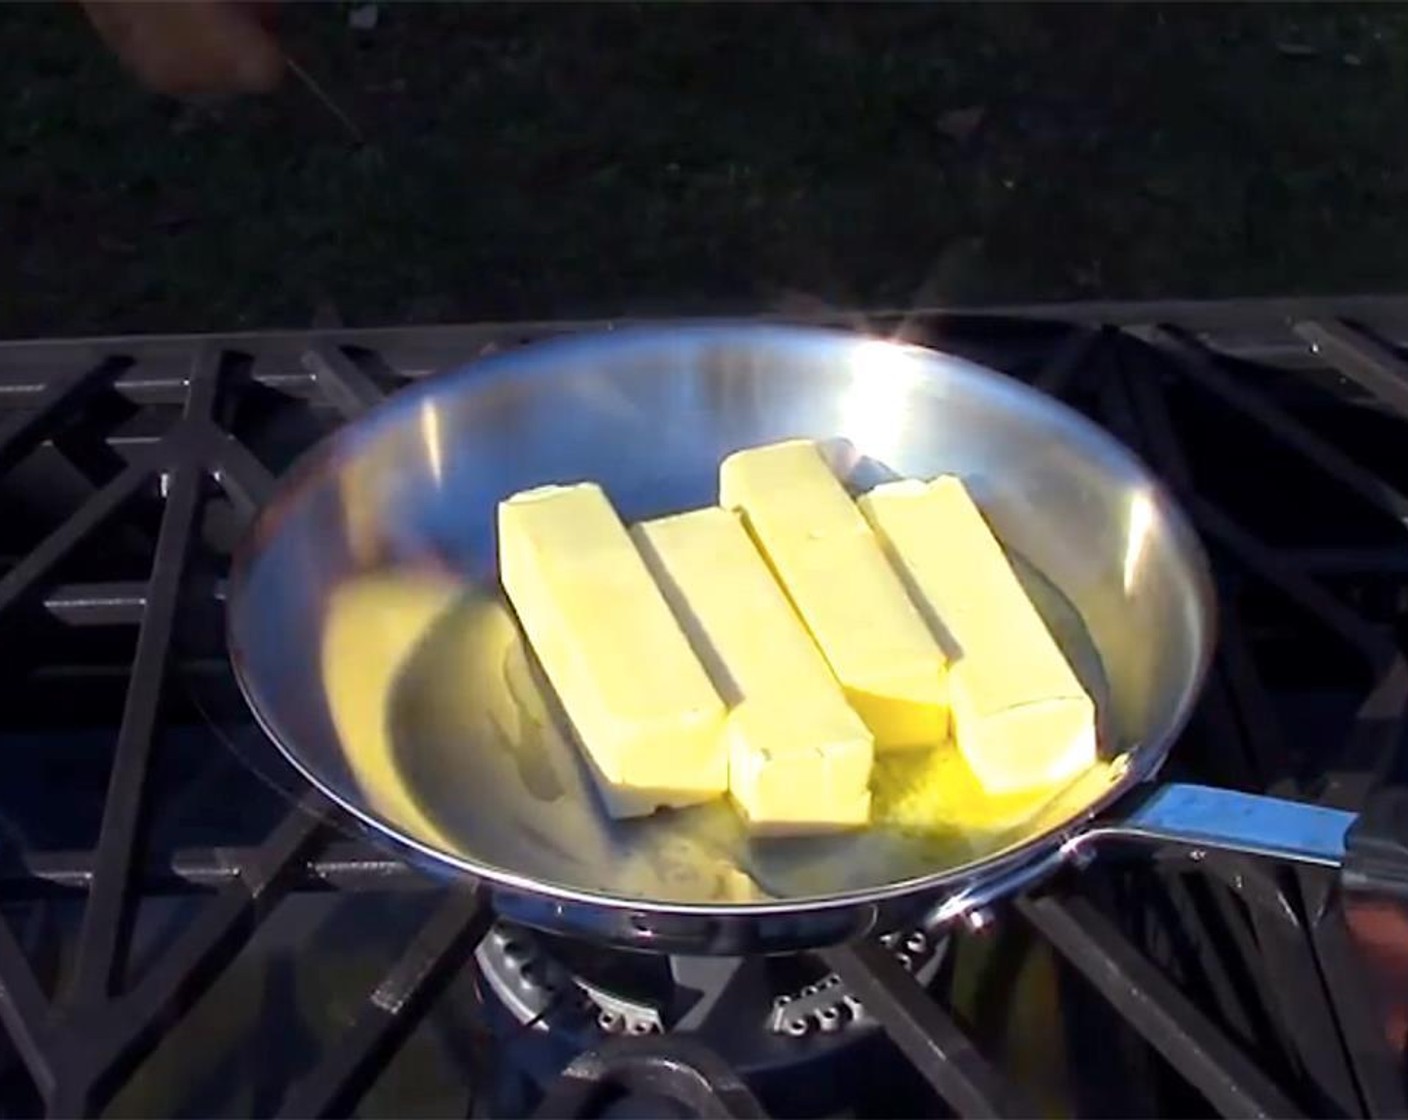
<point>142,863</point>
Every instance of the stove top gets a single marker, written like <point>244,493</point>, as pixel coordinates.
<point>186,929</point>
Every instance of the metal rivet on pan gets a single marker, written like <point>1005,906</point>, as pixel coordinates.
<point>978,920</point>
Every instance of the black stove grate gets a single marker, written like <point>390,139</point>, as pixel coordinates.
<point>167,445</point>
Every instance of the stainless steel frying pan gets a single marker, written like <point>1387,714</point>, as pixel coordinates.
<point>369,637</point>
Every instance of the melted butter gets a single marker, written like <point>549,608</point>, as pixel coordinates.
<point>372,626</point>
<point>936,791</point>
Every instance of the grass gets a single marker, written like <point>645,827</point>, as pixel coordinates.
<point>539,160</point>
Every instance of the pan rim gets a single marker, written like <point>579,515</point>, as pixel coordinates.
<point>1144,758</point>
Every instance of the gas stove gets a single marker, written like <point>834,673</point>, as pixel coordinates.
<point>187,929</point>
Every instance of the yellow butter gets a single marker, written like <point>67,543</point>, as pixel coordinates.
<point>799,757</point>
<point>795,770</point>
<point>925,791</point>
<point>1020,715</point>
<point>637,696</point>
<point>624,800</point>
<point>832,566</point>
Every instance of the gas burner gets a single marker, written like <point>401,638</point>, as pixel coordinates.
<point>829,1006</point>
<point>555,984</point>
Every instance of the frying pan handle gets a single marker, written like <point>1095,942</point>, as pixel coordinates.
<point>1371,849</point>
<point>1192,816</point>
<point>1226,820</point>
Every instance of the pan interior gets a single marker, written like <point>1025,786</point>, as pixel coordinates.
<point>370,638</point>
<point>469,711</point>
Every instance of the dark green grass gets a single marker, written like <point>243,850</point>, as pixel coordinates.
<point>540,160</point>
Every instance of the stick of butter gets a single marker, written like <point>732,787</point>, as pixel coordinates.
<point>799,757</point>
<point>636,693</point>
<point>833,568</point>
<point>1020,715</point>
